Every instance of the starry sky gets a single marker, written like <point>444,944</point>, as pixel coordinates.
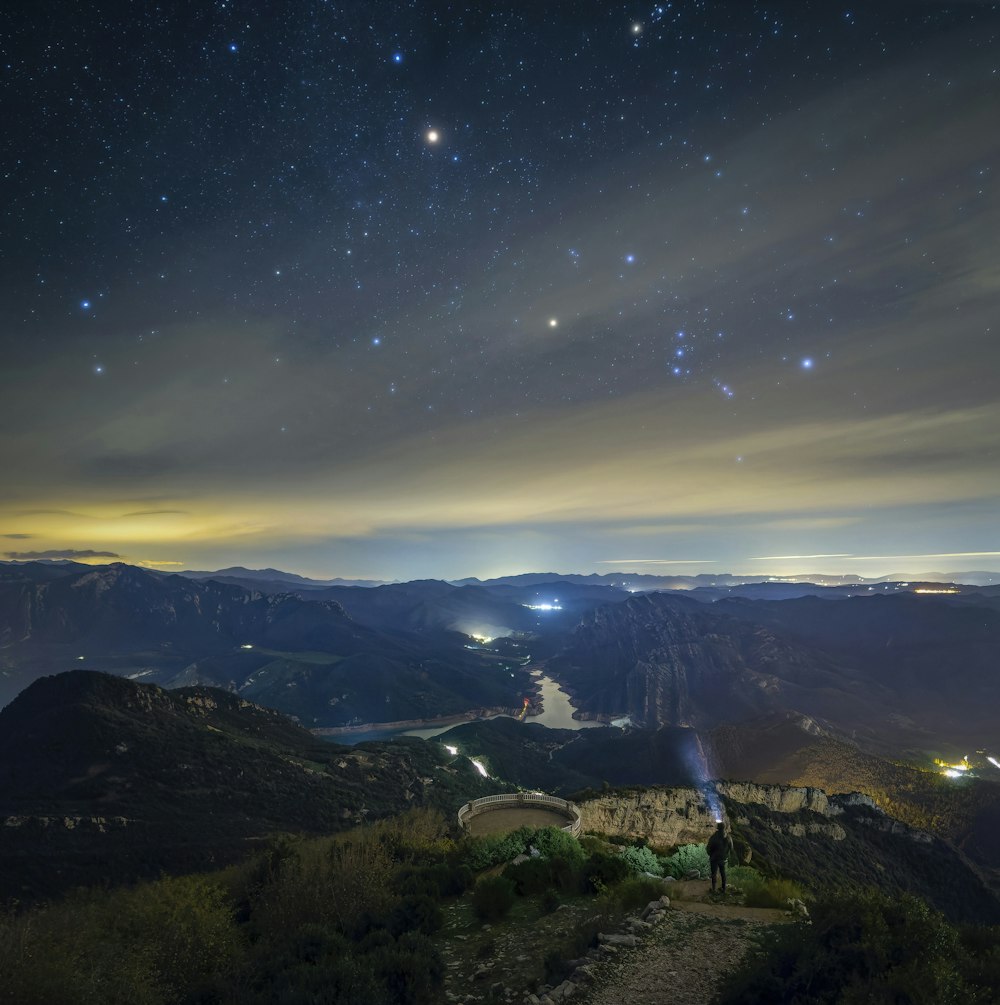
<point>448,289</point>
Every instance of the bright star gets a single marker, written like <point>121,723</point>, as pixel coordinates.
<point>397,57</point>
<point>553,322</point>
<point>630,259</point>
<point>433,136</point>
<point>636,28</point>
<point>807,363</point>
<point>85,305</point>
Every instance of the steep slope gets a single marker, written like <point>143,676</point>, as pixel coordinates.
<point>898,670</point>
<point>306,657</point>
<point>103,779</point>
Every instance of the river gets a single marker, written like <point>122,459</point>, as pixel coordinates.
<point>557,713</point>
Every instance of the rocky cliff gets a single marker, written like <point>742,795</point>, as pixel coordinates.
<point>825,842</point>
<point>670,816</point>
<point>890,671</point>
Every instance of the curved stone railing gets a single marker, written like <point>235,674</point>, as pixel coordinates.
<point>513,800</point>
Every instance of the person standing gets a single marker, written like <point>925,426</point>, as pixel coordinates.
<point>719,846</point>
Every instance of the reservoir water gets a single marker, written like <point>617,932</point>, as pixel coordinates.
<point>557,709</point>
<point>557,713</point>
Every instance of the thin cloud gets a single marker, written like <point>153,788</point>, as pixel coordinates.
<point>786,558</point>
<point>658,561</point>
<point>59,554</point>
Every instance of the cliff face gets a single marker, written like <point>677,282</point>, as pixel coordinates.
<point>666,660</point>
<point>661,816</point>
<point>890,671</point>
<point>825,842</point>
<point>686,815</point>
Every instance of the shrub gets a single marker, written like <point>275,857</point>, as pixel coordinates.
<point>493,897</point>
<point>641,859</point>
<point>417,913</point>
<point>567,874</point>
<point>550,901</point>
<point>604,870</point>
<point>411,970</point>
<point>439,880</point>
<point>687,858</point>
<point>743,876</point>
<point>867,948</point>
<point>555,843</point>
<point>530,877</point>
<point>772,893</point>
<point>637,891</point>
<point>337,883</point>
<point>481,853</point>
<point>147,945</point>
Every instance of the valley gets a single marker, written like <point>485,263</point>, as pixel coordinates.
<point>202,696</point>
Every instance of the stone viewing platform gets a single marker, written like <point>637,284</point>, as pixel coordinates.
<point>508,811</point>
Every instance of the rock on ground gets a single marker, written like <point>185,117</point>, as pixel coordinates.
<point>681,962</point>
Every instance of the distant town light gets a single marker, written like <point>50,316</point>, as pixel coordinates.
<point>451,750</point>
<point>246,645</point>
<point>480,767</point>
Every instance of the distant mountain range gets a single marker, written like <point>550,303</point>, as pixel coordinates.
<point>896,670</point>
<point>306,657</point>
<point>636,581</point>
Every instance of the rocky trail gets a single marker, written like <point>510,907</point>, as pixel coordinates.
<point>684,959</point>
<point>678,954</point>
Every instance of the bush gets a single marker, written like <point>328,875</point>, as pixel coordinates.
<point>687,858</point>
<point>555,843</point>
<point>868,948</point>
<point>550,901</point>
<point>641,859</point>
<point>530,877</point>
<point>411,970</point>
<point>567,875</point>
<point>637,892</point>
<point>604,870</point>
<point>483,852</point>
<point>417,913</point>
<point>493,897</point>
<point>147,945</point>
<point>772,893</point>
<point>439,880</point>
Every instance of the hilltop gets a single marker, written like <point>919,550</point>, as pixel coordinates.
<point>108,780</point>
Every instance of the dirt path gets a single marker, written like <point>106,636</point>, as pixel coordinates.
<point>684,959</point>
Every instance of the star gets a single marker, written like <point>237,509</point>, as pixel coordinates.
<point>553,322</point>
<point>433,136</point>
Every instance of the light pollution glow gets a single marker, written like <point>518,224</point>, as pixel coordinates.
<point>759,338</point>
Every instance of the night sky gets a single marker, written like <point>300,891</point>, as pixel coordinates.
<point>399,290</point>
